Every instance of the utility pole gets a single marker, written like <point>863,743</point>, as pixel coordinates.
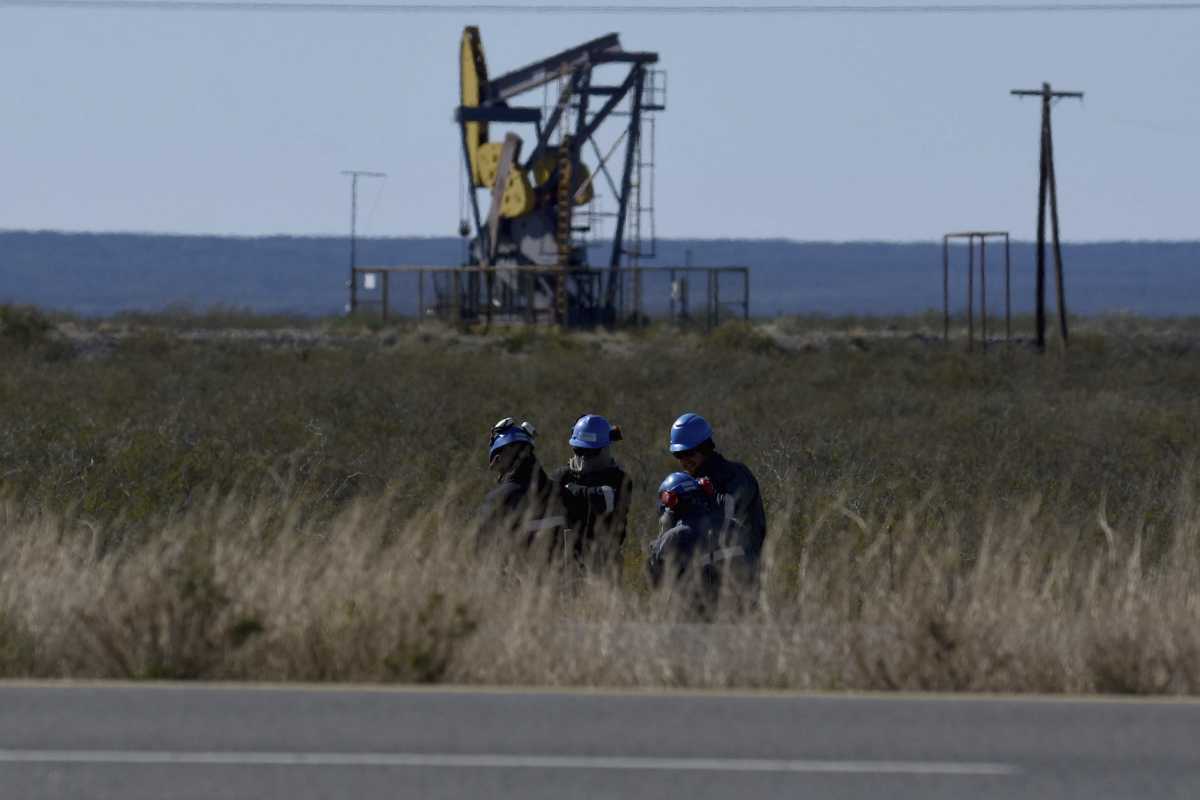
<point>355,174</point>
<point>1048,185</point>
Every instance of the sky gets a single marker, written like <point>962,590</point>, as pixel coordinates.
<point>806,127</point>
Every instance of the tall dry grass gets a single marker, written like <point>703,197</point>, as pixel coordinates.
<point>179,500</point>
<point>876,601</point>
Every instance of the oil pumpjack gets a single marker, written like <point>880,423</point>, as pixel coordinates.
<point>532,196</point>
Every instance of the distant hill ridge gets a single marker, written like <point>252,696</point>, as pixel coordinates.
<point>98,274</point>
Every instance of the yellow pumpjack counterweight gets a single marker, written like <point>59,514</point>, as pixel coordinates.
<point>517,198</point>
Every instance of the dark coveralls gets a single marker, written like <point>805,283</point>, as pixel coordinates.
<point>737,490</point>
<point>692,554</point>
<point>520,507</point>
<point>595,503</point>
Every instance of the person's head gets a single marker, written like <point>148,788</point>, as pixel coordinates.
<point>509,441</point>
<point>683,495</point>
<point>691,442</point>
<point>591,435</point>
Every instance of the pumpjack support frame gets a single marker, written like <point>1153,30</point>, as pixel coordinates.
<point>560,134</point>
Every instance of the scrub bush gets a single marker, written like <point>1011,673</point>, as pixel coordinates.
<point>23,327</point>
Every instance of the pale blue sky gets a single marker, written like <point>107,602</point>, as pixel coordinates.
<point>802,127</point>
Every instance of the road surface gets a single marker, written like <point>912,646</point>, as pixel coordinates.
<point>135,741</point>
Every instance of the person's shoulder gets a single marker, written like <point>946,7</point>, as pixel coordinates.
<point>741,471</point>
<point>742,468</point>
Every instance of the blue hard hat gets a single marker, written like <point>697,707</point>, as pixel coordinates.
<point>507,432</point>
<point>676,487</point>
<point>591,431</point>
<point>679,483</point>
<point>689,432</point>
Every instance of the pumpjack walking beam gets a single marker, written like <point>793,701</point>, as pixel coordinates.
<point>1048,185</point>
<point>486,100</point>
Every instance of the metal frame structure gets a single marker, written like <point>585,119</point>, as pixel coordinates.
<point>972,238</point>
<point>562,129</point>
<point>354,175</point>
<point>460,295</point>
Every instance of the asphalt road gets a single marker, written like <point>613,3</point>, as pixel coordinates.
<point>215,742</point>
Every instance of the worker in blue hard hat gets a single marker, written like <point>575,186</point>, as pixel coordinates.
<point>520,507</point>
<point>691,443</point>
<point>594,492</point>
<point>693,552</point>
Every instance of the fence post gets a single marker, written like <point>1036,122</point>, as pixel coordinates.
<point>717,297</point>
<point>745,294</point>
<point>971,293</point>
<point>456,300</point>
<point>946,289</point>
<point>983,289</point>
<point>384,306</point>
<point>1007,295</point>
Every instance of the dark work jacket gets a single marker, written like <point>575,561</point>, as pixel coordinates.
<point>687,542</point>
<point>695,559</point>
<point>518,508</point>
<point>595,518</point>
<point>737,488</point>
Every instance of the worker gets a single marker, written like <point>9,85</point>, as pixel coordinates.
<point>594,492</point>
<point>692,552</point>
<point>519,511</point>
<point>691,443</point>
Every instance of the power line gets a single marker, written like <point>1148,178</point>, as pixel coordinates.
<point>745,9</point>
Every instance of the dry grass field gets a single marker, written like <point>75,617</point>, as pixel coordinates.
<point>227,497</point>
